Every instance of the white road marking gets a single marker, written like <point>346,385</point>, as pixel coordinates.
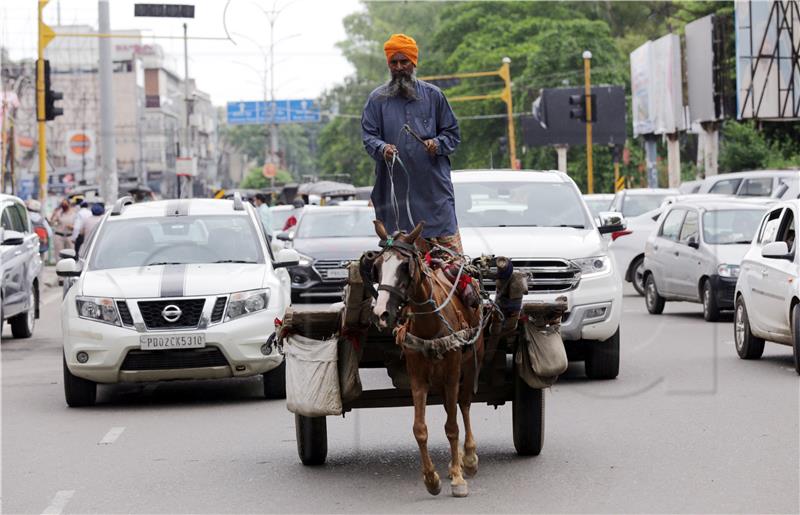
<point>111,436</point>
<point>59,501</point>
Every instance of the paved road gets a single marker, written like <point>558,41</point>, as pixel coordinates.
<point>687,427</point>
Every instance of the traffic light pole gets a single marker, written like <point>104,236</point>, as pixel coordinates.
<point>40,108</point>
<point>504,73</point>
<point>587,70</point>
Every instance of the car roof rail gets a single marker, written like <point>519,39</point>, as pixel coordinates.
<point>237,202</point>
<point>121,204</point>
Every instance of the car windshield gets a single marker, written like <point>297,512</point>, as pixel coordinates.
<point>176,240</point>
<point>635,205</point>
<point>519,204</point>
<point>731,226</point>
<point>596,205</point>
<point>334,223</point>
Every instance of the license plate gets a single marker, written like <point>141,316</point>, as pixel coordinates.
<point>172,341</point>
<point>338,273</point>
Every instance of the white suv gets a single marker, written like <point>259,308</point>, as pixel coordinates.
<point>768,290</point>
<point>177,289</point>
<point>540,221</point>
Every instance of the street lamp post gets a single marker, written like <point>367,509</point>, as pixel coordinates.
<point>587,71</point>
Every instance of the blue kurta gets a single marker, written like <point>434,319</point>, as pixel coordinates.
<point>431,196</point>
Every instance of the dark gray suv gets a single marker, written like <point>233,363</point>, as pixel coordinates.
<point>20,266</point>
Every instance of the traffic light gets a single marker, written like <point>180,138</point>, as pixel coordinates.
<point>503,142</point>
<point>51,110</point>
<point>578,111</point>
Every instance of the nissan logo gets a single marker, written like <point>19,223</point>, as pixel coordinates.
<point>171,313</point>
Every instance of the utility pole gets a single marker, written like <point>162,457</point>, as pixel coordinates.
<point>187,150</point>
<point>108,173</point>
<point>587,72</point>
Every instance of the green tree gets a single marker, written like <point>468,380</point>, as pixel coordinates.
<point>255,179</point>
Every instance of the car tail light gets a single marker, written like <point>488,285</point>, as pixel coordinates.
<point>617,234</point>
<point>41,232</point>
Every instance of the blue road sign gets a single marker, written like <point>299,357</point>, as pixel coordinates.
<point>280,111</point>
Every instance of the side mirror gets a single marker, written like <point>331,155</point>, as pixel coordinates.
<point>692,242</point>
<point>611,221</point>
<point>777,250</point>
<point>13,238</point>
<point>285,236</point>
<point>68,268</point>
<point>286,258</point>
<point>67,254</point>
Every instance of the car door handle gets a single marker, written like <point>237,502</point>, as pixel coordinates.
<point>677,253</point>
<point>655,247</point>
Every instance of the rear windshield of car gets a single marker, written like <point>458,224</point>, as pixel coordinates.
<point>635,205</point>
<point>336,223</point>
<point>597,205</point>
<point>176,240</point>
<point>731,226</point>
<point>519,204</point>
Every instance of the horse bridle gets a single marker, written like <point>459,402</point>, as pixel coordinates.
<point>408,250</point>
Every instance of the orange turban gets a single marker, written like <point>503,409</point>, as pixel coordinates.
<point>400,43</point>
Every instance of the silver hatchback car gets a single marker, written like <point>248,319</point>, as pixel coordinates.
<point>695,253</point>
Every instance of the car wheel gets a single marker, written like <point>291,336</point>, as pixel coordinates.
<point>22,324</point>
<point>796,337</point>
<point>710,307</point>
<point>78,391</point>
<point>653,301</point>
<point>602,360</point>
<point>637,275</point>
<point>275,382</point>
<point>747,345</point>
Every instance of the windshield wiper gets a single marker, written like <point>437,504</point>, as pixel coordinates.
<point>574,226</point>
<point>164,263</point>
<point>517,225</point>
<point>235,261</point>
<point>740,242</point>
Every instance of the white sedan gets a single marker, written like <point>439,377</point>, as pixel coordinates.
<point>768,290</point>
<point>177,289</point>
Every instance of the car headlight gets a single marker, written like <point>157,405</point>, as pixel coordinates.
<point>305,260</point>
<point>246,302</point>
<point>100,309</point>
<point>593,265</point>
<point>726,270</point>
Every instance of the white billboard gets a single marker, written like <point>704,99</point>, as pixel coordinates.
<point>656,87</point>
<point>767,65</point>
<point>700,70</point>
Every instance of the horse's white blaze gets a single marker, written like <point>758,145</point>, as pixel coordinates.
<point>391,263</point>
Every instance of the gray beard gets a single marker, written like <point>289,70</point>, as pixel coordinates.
<point>402,86</point>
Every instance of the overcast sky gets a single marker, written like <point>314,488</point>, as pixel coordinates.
<point>306,59</point>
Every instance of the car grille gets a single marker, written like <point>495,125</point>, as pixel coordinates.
<point>545,275</point>
<point>324,266</point>
<point>191,309</point>
<point>176,358</point>
<point>219,309</point>
<point>124,313</point>
<point>727,290</point>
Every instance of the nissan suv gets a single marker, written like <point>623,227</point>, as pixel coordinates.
<point>540,221</point>
<point>177,289</point>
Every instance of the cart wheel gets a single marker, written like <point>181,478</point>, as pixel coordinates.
<point>312,439</point>
<point>527,418</point>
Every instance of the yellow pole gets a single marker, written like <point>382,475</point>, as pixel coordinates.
<point>40,114</point>
<point>505,73</point>
<point>587,70</point>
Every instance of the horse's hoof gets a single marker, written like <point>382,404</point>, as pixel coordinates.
<point>470,465</point>
<point>459,490</point>
<point>434,486</point>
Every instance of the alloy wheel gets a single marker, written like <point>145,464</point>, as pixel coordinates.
<point>738,327</point>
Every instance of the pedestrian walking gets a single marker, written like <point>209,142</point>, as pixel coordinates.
<point>62,222</point>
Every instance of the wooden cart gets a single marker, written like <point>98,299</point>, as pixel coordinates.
<point>499,380</point>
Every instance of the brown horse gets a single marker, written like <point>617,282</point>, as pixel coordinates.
<point>442,345</point>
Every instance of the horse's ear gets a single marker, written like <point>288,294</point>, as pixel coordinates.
<point>412,237</point>
<point>380,230</point>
